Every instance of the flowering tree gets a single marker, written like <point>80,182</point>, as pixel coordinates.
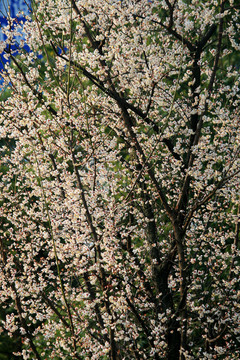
<point>119,185</point>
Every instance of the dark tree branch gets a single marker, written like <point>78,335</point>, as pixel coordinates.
<point>207,197</point>
<point>35,92</point>
<point>217,57</point>
<point>142,324</point>
<point>24,323</point>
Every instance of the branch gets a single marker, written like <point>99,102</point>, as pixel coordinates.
<point>98,250</point>
<point>108,91</point>
<point>171,31</point>
<point>143,325</point>
<point>24,323</point>
<point>217,337</point>
<point>35,92</point>
<point>207,36</point>
<point>128,124</point>
<point>215,67</point>
<point>47,300</point>
<point>207,197</point>
<point>170,147</point>
<point>150,99</point>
